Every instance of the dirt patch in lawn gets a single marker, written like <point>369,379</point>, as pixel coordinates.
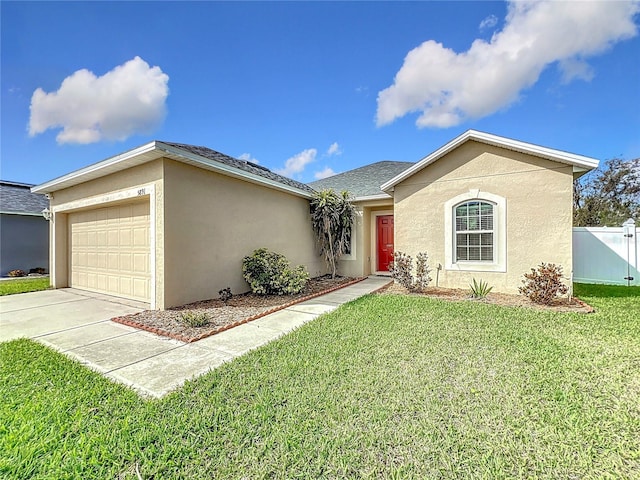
<point>239,309</point>
<point>505,299</point>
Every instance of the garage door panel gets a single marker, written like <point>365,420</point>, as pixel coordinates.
<point>110,250</point>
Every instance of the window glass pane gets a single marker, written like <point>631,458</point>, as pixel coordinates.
<point>474,216</point>
<point>486,209</point>
<point>487,253</point>
<point>474,253</point>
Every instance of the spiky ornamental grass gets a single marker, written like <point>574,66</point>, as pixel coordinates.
<point>384,387</point>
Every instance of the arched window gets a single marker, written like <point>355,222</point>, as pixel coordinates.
<point>474,231</point>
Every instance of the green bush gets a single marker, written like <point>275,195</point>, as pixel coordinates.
<point>544,284</point>
<point>269,273</point>
<point>195,319</point>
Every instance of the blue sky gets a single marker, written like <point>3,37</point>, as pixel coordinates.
<point>311,88</point>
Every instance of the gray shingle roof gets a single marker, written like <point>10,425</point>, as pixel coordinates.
<point>363,181</point>
<point>240,164</point>
<point>17,198</point>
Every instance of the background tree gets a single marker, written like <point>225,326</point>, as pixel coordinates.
<point>331,219</point>
<point>608,196</point>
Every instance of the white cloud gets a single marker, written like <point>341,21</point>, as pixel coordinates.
<point>248,158</point>
<point>298,163</point>
<point>334,149</point>
<point>127,100</point>
<point>448,87</point>
<point>326,172</point>
<point>489,22</point>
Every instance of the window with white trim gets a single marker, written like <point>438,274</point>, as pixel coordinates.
<point>475,232</point>
<point>474,235</point>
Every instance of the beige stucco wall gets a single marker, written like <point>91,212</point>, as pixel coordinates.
<point>119,187</point>
<point>212,221</point>
<point>538,196</point>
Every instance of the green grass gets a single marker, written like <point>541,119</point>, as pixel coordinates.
<point>9,287</point>
<point>385,387</point>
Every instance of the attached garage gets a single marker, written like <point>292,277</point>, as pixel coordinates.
<point>168,224</point>
<point>110,250</point>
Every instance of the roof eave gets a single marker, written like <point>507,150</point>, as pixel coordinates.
<point>96,170</point>
<point>28,214</point>
<point>152,151</point>
<point>203,162</point>
<point>378,196</point>
<point>578,162</point>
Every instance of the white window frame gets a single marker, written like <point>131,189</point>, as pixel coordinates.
<point>354,226</point>
<point>477,232</point>
<point>499,263</point>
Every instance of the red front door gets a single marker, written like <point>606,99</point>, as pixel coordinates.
<point>385,241</point>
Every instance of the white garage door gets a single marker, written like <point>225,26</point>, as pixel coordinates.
<point>110,250</point>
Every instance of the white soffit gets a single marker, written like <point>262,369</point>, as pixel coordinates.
<point>579,162</point>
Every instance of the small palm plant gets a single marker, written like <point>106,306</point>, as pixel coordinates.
<point>331,218</point>
<point>480,289</point>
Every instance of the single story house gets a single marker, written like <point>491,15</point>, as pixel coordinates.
<point>24,232</point>
<point>481,206</point>
<point>169,223</point>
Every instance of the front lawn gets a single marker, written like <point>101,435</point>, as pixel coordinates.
<point>385,387</point>
<point>9,287</point>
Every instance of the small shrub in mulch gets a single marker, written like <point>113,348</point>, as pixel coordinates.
<point>237,309</point>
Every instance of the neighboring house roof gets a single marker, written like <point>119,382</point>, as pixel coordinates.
<point>578,162</point>
<point>364,181</point>
<point>201,157</point>
<point>16,198</point>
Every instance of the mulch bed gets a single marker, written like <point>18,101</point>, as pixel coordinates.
<point>239,309</point>
<point>248,306</point>
<point>461,295</point>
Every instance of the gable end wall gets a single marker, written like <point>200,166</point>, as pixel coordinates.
<point>538,196</point>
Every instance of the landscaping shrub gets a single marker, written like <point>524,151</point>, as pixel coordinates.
<point>422,272</point>
<point>17,273</point>
<point>269,273</point>
<point>195,319</point>
<point>402,271</point>
<point>480,289</point>
<point>544,284</point>
<point>225,294</point>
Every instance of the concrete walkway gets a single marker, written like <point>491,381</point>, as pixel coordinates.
<point>77,323</point>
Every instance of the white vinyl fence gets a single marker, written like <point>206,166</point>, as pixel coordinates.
<point>606,255</point>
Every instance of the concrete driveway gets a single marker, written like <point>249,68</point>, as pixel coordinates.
<point>53,312</point>
<point>77,323</point>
